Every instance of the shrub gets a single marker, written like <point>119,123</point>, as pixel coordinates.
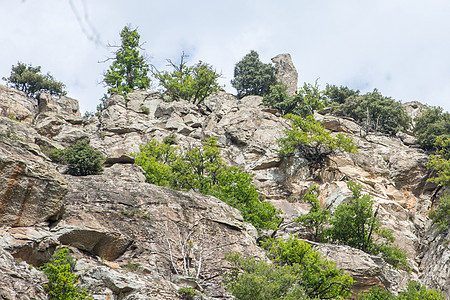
<point>30,80</point>
<point>355,224</point>
<point>414,291</point>
<point>203,170</point>
<point>188,293</point>
<point>430,125</point>
<point>375,112</point>
<point>308,99</point>
<point>81,158</point>
<point>297,272</point>
<point>252,77</point>
<point>193,84</point>
<point>317,218</point>
<point>129,70</point>
<point>311,140</point>
<point>61,279</point>
<point>339,95</point>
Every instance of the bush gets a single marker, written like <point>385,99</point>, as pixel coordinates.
<point>414,291</point>
<point>30,80</point>
<point>339,95</point>
<point>188,293</point>
<point>311,140</point>
<point>430,125</point>
<point>355,224</point>
<point>193,84</point>
<point>129,70</point>
<point>61,279</point>
<point>298,272</point>
<point>374,112</point>
<point>308,99</point>
<point>81,158</point>
<point>203,170</point>
<point>252,77</point>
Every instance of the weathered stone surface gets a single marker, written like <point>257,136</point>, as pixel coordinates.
<point>20,280</point>
<point>16,104</point>
<point>286,72</point>
<point>30,190</point>
<point>63,106</point>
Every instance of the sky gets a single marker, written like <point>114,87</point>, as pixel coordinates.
<point>400,47</point>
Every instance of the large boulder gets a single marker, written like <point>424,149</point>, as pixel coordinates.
<point>17,104</point>
<point>286,72</point>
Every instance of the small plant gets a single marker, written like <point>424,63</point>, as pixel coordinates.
<point>61,279</point>
<point>188,293</point>
<point>131,266</point>
<point>170,139</point>
<point>81,158</point>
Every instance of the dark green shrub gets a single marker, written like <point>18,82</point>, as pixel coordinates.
<point>311,140</point>
<point>374,112</point>
<point>203,170</point>
<point>252,77</point>
<point>297,272</point>
<point>193,84</point>
<point>430,125</point>
<point>308,99</point>
<point>81,158</point>
<point>170,139</point>
<point>30,80</point>
<point>61,279</point>
<point>188,293</point>
<point>338,95</point>
<point>129,69</point>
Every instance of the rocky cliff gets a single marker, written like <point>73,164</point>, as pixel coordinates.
<point>128,235</point>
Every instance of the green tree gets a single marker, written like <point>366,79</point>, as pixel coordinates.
<point>317,218</point>
<point>416,291</point>
<point>297,271</point>
<point>308,99</point>
<point>311,140</point>
<point>339,94</point>
<point>374,112</point>
<point>61,279</point>
<point>430,125</point>
<point>129,69</point>
<point>203,170</point>
<point>30,80</point>
<point>193,84</point>
<point>82,159</point>
<point>252,77</point>
<point>354,223</point>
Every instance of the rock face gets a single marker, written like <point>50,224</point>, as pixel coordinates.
<point>286,72</point>
<point>129,236</point>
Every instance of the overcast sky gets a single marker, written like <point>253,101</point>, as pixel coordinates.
<point>400,47</point>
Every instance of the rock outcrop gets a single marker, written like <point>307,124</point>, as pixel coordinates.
<point>286,72</point>
<point>126,233</point>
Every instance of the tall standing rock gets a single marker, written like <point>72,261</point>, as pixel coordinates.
<point>286,72</point>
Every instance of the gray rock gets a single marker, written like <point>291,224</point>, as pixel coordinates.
<point>15,103</point>
<point>286,72</point>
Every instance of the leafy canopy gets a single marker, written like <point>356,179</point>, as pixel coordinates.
<point>338,95</point>
<point>414,291</point>
<point>61,278</point>
<point>203,170</point>
<point>82,159</point>
<point>252,77</point>
<point>30,80</point>
<point>433,123</point>
<point>311,140</point>
<point>297,272</point>
<point>191,83</point>
<point>374,111</point>
<point>308,99</point>
<point>129,69</point>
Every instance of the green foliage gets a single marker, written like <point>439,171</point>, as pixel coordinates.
<point>298,272</point>
<point>376,293</point>
<point>193,84</point>
<point>355,224</point>
<point>170,139</point>
<point>81,158</point>
<point>430,125</point>
<point>252,77</point>
<point>311,140</point>
<point>30,80</point>
<point>187,293</point>
<point>317,218</point>
<point>203,170</point>
<point>375,112</point>
<point>416,291</point>
<point>129,70</point>
<point>338,95</point>
<point>440,163</point>
<point>308,99</point>
<point>61,279</point>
